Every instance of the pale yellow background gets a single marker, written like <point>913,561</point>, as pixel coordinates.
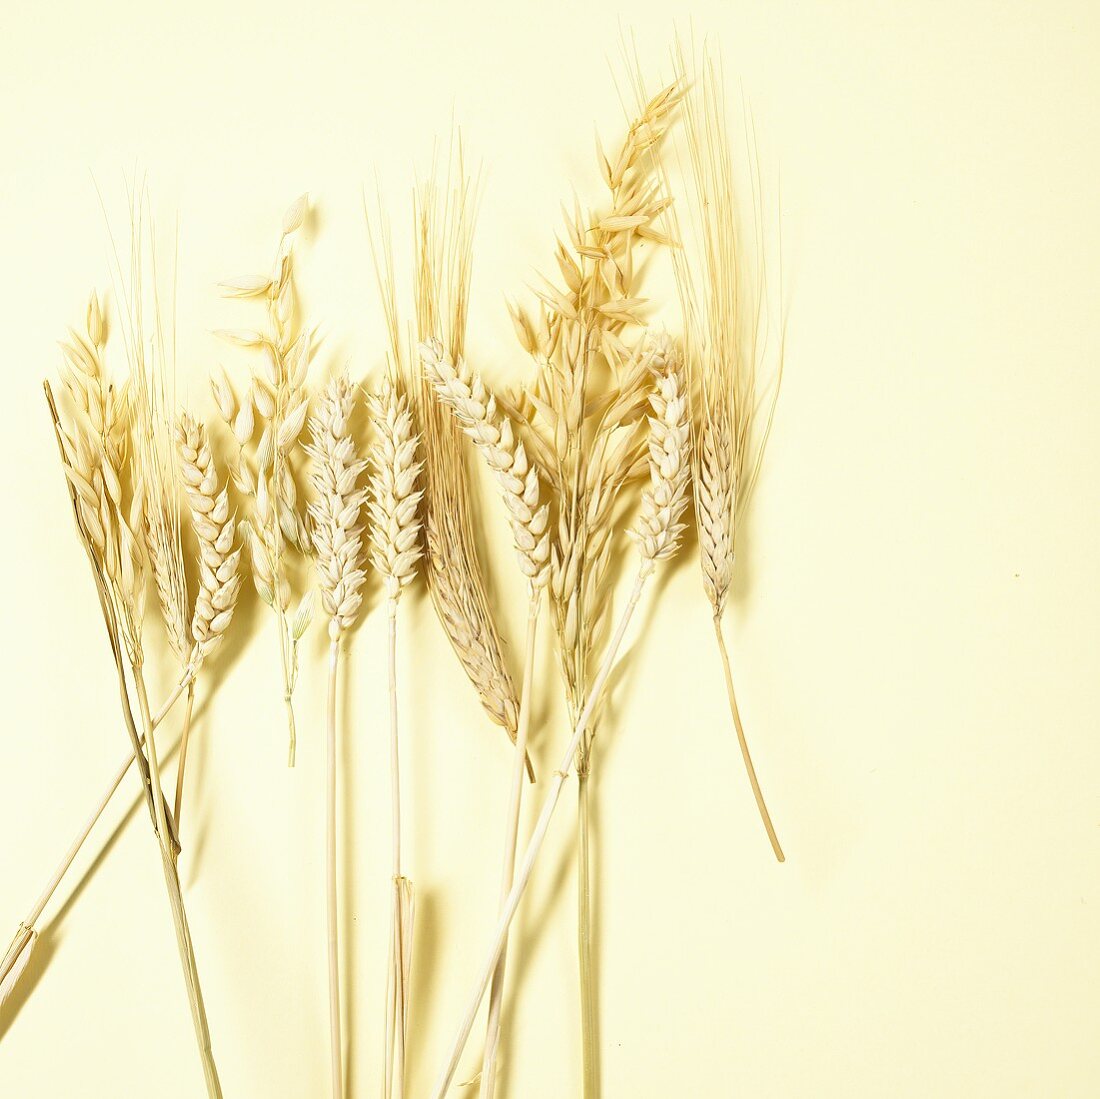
<point>915,634</point>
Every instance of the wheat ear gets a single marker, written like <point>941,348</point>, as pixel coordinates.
<point>395,550</point>
<point>492,432</point>
<point>219,560</point>
<point>721,275</point>
<point>656,534</point>
<point>338,545</point>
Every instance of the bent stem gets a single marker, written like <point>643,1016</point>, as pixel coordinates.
<point>399,969</point>
<point>763,809</point>
<point>27,930</point>
<point>175,897</point>
<point>511,833</point>
<point>184,739</point>
<point>335,1049</point>
<point>538,836</point>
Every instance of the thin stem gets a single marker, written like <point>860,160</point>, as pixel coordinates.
<point>85,829</point>
<point>511,834</point>
<point>538,836</point>
<point>395,1057</point>
<point>27,927</point>
<point>184,739</point>
<point>589,1046</point>
<point>764,815</point>
<point>288,688</point>
<point>335,1048</point>
<point>175,897</point>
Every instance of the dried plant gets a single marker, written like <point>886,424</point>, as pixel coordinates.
<point>722,277</point>
<point>657,536</point>
<point>277,403</point>
<point>219,559</point>
<point>443,242</point>
<point>150,353</point>
<point>334,512</point>
<point>395,551</point>
<point>584,412</point>
<point>492,432</point>
<point>109,512</point>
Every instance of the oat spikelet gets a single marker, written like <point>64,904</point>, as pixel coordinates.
<point>96,451</point>
<point>658,528</point>
<point>395,542</point>
<point>219,558</point>
<point>275,405</point>
<point>463,391</point>
<point>337,503</point>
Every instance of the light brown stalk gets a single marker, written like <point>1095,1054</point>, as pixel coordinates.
<point>511,836</point>
<point>765,816</point>
<point>27,932</point>
<point>175,895</point>
<point>336,1056</point>
<point>538,836</point>
<point>188,709</point>
<point>401,914</point>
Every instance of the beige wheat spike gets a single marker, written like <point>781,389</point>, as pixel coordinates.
<point>219,556</point>
<point>463,391</point>
<point>395,499</point>
<point>658,529</point>
<point>336,506</point>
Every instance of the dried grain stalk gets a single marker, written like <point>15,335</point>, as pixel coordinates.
<point>334,512</point>
<point>395,500</point>
<point>492,432</point>
<point>657,536</point>
<point>275,404</point>
<point>734,355</point>
<point>585,417</point>
<point>109,514</point>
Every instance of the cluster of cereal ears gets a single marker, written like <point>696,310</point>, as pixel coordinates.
<point>395,497</point>
<point>491,431</point>
<point>658,528</point>
<point>219,573</point>
<point>337,505</point>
